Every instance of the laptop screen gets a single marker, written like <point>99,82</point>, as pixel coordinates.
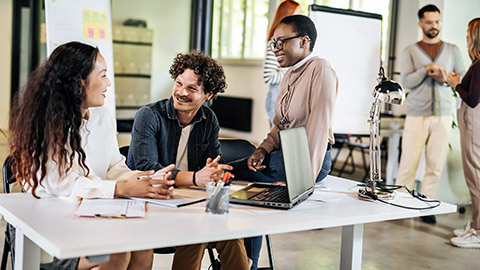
<point>296,158</point>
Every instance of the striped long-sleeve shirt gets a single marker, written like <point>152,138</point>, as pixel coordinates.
<point>272,72</point>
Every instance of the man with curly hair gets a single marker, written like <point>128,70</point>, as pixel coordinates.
<point>181,131</point>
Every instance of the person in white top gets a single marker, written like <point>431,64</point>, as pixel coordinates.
<point>63,143</point>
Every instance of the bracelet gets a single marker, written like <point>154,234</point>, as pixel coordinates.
<point>193,179</point>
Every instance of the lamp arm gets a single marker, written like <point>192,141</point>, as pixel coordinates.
<point>374,145</point>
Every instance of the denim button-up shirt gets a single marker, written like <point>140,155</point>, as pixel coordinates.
<point>156,133</point>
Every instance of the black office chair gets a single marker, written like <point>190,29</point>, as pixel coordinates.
<point>215,264</point>
<point>352,143</point>
<point>8,179</point>
<point>235,149</point>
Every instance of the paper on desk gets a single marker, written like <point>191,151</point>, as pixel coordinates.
<point>174,203</point>
<point>110,208</point>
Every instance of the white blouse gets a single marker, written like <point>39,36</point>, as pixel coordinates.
<point>103,158</point>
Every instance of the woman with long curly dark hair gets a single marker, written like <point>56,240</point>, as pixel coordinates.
<point>63,142</point>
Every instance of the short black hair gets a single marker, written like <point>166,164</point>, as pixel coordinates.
<point>427,8</point>
<point>303,26</point>
<point>210,73</point>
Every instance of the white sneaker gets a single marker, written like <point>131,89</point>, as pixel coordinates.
<point>460,232</point>
<point>468,240</point>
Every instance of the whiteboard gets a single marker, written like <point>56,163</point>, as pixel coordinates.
<point>351,42</point>
<point>86,21</point>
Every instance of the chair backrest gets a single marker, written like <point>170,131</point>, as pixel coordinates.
<point>234,149</point>
<point>8,177</point>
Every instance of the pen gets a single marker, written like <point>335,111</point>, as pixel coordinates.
<point>153,176</point>
<point>109,216</point>
<point>160,176</point>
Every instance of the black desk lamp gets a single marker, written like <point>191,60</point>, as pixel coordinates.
<point>390,92</point>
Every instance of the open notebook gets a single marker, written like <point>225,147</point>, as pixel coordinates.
<point>112,208</point>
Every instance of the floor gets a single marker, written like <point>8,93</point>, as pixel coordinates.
<point>400,244</point>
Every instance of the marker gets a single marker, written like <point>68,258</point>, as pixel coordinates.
<point>228,177</point>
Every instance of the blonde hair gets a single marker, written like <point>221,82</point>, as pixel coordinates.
<point>474,33</point>
<point>286,8</point>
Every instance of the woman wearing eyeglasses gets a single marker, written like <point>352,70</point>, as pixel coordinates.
<point>306,98</point>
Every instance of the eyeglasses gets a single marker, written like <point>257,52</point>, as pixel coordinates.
<point>280,42</point>
<point>432,22</point>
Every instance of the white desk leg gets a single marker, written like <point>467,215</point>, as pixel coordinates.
<point>352,241</point>
<point>27,253</point>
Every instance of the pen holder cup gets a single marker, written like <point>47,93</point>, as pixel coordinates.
<point>217,199</point>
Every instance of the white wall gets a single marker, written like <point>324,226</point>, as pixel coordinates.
<point>456,15</point>
<point>5,60</point>
<point>170,21</point>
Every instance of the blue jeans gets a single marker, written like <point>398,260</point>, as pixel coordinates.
<point>253,245</point>
<point>274,172</point>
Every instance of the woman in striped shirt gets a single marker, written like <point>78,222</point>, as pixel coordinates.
<point>272,72</point>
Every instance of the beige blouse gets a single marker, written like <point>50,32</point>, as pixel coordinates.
<point>306,98</point>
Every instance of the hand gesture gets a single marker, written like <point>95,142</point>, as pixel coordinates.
<point>254,162</point>
<point>453,79</point>
<point>151,187</point>
<point>437,72</point>
<point>213,171</point>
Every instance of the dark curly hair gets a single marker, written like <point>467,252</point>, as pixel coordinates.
<point>47,113</point>
<point>210,73</point>
<point>303,26</point>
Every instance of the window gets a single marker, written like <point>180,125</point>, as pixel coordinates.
<point>239,29</point>
<point>240,26</point>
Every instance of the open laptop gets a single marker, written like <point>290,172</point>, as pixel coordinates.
<point>298,170</point>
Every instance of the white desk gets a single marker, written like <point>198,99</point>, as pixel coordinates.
<point>49,224</point>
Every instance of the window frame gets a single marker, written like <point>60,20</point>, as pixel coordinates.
<point>272,5</point>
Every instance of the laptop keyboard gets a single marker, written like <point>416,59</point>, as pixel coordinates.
<point>277,194</point>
